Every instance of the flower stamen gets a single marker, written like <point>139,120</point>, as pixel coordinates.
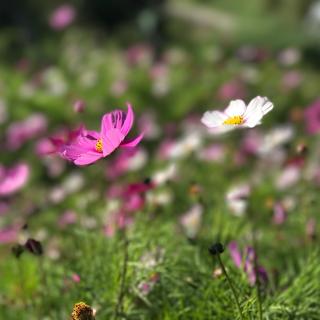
<point>99,146</point>
<point>234,120</point>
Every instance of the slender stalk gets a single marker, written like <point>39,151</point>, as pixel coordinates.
<point>119,306</point>
<point>231,286</point>
<point>256,271</point>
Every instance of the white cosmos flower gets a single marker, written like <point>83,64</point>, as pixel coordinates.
<point>237,114</point>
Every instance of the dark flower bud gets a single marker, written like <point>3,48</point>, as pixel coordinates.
<point>17,250</point>
<point>216,248</point>
<point>34,247</point>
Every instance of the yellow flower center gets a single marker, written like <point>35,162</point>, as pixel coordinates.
<point>99,145</point>
<point>82,311</point>
<point>234,120</point>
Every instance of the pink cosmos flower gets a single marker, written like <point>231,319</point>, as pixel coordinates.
<point>91,146</point>
<point>79,106</point>
<point>75,278</point>
<point>8,235</point>
<point>232,90</point>
<point>247,263</point>
<point>62,17</point>
<point>279,214</point>
<point>53,144</point>
<point>13,179</point>
<point>312,117</point>
<point>20,132</point>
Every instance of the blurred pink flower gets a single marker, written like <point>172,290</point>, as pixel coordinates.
<point>75,277</point>
<point>147,124</point>
<point>139,54</point>
<point>67,218</point>
<point>8,235</point>
<point>126,160</point>
<point>79,106</point>
<point>247,263</point>
<point>291,80</point>
<point>91,146</point>
<point>46,146</point>
<point>62,17</point>
<point>312,117</point>
<point>233,89</point>
<point>279,214</point>
<point>289,176</point>
<point>132,198</point>
<point>215,152</point>
<point>118,87</point>
<point>20,132</point>
<point>13,179</point>
<point>4,208</point>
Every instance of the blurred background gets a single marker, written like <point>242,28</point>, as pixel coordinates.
<point>63,63</point>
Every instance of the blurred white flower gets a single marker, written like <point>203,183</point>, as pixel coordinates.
<point>191,221</point>
<point>288,177</point>
<point>162,176</point>
<point>237,114</point>
<point>187,144</point>
<point>275,138</point>
<point>236,199</point>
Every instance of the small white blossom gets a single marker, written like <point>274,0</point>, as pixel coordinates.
<point>238,114</point>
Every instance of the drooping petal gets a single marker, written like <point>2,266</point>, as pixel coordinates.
<point>213,118</point>
<point>133,142</point>
<point>128,122</point>
<point>87,158</point>
<point>235,108</point>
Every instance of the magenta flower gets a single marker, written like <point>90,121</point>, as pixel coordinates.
<point>91,146</point>
<point>246,262</point>
<point>62,17</point>
<point>20,132</point>
<point>13,179</point>
<point>312,117</point>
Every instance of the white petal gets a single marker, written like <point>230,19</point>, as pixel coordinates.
<point>213,118</point>
<point>256,109</point>
<point>235,108</point>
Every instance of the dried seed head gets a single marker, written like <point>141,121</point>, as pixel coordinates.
<point>216,248</point>
<point>82,311</point>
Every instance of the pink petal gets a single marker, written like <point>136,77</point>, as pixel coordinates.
<point>111,140</point>
<point>132,143</point>
<point>235,254</point>
<point>87,158</point>
<point>128,122</point>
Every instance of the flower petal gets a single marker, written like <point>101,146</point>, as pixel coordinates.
<point>235,108</point>
<point>256,109</point>
<point>111,140</point>
<point>87,158</point>
<point>132,143</point>
<point>128,122</point>
<point>213,118</point>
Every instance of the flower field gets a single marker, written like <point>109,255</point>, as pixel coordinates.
<point>147,172</point>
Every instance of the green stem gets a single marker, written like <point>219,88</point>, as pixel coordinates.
<point>119,306</point>
<point>231,286</point>
<point>256,271</point>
